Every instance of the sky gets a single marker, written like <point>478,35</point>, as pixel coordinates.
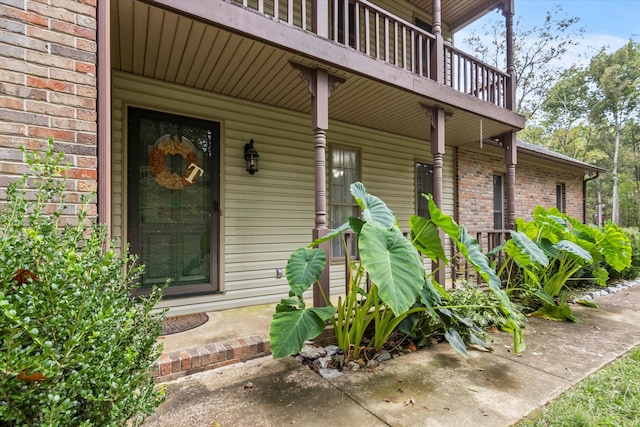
<point>609,23</point>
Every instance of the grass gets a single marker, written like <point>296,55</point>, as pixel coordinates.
<point>610,397</point>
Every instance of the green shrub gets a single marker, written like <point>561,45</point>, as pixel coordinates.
<point>76,347</point>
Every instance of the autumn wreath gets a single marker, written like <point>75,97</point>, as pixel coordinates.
<point>171,146</point>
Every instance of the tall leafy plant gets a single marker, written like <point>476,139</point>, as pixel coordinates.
<point>75,347</point>
<point>553,247</point>
<point>399,285</point>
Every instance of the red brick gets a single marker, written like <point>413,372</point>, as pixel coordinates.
<point>85,67</point>
<point>57,134</point>
<point>12,103</point>
<point>165,364</point>
<point>21,15</point>
<point>78,173</point>
<point>69,28</point>
<point>185,360</point>
<point>55,85</point>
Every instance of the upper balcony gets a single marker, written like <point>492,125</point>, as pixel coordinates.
<point>392,63</point>
<point>377,33</point>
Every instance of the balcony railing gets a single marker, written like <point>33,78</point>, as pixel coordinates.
<point>374,32</point>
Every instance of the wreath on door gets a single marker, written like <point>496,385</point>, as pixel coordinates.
<point>169,146</point>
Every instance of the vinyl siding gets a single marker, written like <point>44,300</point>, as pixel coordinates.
<point>266,216</point>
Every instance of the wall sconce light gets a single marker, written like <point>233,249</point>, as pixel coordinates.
<point>251,156</point>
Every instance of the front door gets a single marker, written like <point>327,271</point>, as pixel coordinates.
<point>173,190</point>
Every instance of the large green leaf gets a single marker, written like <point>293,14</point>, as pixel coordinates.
<point>472,250</point>
<point>373,209</point>
<point>442,220</point>
<point>573,249</point>
<point>290,329</point>
<point>558,313</point>
<point>304,268</point>
<point>332,234</point>
<point>601,276</point>
<point>393,265</point>
<point>616,247</point>
<point>456,341</point>
<point>426,238</point>
<point>529,248</point>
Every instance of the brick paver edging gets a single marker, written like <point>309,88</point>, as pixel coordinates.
<point>180,363</point>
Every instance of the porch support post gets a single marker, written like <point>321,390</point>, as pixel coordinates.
<point>510,95</point>
<point>320,18</point>
<point>104,113</point>
<point>437,151</point>
<point>320,86</point>
<point>510,160</point>
<point>437,51</point>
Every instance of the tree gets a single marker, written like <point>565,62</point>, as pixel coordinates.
<point>536,53</point>
<point>615,97</point>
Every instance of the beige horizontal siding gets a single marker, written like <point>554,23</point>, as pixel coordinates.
<point>266,216</point>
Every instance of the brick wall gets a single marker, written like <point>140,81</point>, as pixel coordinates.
<point>535,185</point>
<point>48,87</point>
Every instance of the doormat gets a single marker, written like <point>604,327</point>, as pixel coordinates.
<point>176,324</point>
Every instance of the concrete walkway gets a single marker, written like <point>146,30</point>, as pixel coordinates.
<point>432,387</point>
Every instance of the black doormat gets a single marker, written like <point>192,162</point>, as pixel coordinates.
<point>173,325</point>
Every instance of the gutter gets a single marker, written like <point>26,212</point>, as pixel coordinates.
<point>584,195</point>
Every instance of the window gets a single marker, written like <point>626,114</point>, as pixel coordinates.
<point>498,203</point>
<point>561,197</point>
<point>344,172</point>
<point>424,185</point>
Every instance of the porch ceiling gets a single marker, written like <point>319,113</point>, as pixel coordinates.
<point>159,44</point>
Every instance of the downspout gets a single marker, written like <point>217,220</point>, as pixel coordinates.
<point>584,196</point>
<point>104,113</point>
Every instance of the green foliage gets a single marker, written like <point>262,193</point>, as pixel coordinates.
<point>76,347</point>
<point>552,248</point>
<point>399,288</point>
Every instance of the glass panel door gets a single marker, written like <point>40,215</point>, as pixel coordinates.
<point>173,182</point>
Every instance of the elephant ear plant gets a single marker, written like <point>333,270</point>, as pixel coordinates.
<point>552,248</point>
<point>398,284</point>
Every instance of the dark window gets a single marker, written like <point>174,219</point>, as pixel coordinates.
<point>498,203</point>
<point>560,197</point>
<point>424,185</point>
<point>344,172</point>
